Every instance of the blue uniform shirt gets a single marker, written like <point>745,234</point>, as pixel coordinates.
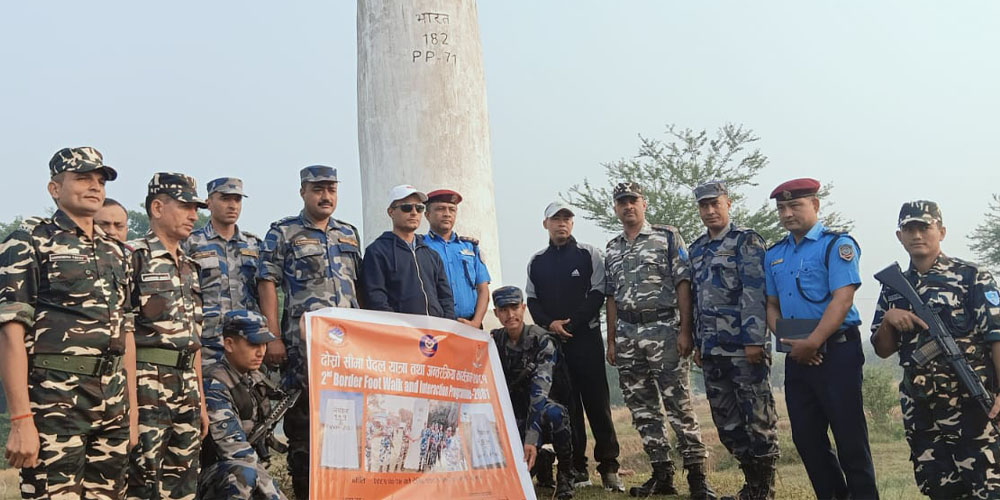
<point>464,267</point>
<point>786,261</point>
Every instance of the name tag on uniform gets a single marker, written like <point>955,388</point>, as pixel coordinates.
<point>301,242</point>
<point>203,255</point>
<point>349,241</point>
<point>466,251</point>
<point>68,257</point>
<point>249,252</point>
<point>154,277</point>
<point>725,253</point>
<point>776,262</point>
<point>893,296</point>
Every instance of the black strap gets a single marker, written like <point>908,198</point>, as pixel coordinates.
<point>826,264</point>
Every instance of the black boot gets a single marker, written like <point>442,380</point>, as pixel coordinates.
<point>744,493</point>
<point>660,483</point>
<point>762,480</point>
<point>564,479</point>
<point>698,483</point>
<point>543,468</point>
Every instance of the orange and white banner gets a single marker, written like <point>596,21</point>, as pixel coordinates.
<point>407,406</point>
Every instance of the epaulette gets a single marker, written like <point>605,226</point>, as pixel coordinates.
<point>969,263</point>
<point>138,244</point>
<point>250,235</point>
<point>469,239</point>
<point>348,224</point>
<point>284,220</point>
<point>776,243</point>
<point>28,225</point>
<point>663,227</point>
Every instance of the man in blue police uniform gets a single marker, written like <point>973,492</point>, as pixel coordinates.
<point>812,275</point>
<point>467,274</point>
<point>315,259</point>
<point>228,261</point>
<point>565,294</point>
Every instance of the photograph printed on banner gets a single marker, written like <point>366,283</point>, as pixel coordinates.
<point>404,434</point>
<point>479,428</point>
<point>340,417</point>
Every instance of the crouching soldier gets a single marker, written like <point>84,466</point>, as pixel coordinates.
<point>537,380</point>
<point>237,396</point>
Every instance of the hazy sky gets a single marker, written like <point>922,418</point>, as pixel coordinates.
<point>891,101</point>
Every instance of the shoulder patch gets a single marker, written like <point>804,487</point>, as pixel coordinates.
<point>284,220</point>
<point>469,239</point>
<point>993,297</point>
<point>250,235</point>
<point>845,251</point>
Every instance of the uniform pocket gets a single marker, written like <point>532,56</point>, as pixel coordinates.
<point>156,298</point>
<point>348,260</point>
<point>309,261</point>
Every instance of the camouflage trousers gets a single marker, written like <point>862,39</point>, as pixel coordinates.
<point>739,394</point>
<point>234,479</point>
<point>954,452</point>
<point>164,465</point>
<point>83,451</point>
<point>555,429</point>
<point>649,368</point>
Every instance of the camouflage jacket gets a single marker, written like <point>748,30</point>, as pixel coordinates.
<point>531,366</point>
<point>728,289</point>
<point>71,294</point>
<point>642,275</point>
<point>313,267</point>
<point>967,299</point>
<point>166,295</point>
<point>228,274</point>
<point>236,404</point>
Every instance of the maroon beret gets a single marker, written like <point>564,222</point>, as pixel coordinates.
<point>445,195</point>
<point>795,188</point>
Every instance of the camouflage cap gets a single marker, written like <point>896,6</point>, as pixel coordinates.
<point>226,185</point>
<point>507,295</point>
<point>710,189</point>
<point>318,173</point>
<point>920,210</point>
<point>628,188</point>
<point>247,324</point>
<point>178,186</point>
<point>81,159</point>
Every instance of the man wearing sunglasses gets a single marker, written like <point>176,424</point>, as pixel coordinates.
<point>399,272</point>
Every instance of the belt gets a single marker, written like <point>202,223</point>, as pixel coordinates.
<point>845,334</point>
<point>81,365</point>
<point>183,360</point>
<point>647,316</point>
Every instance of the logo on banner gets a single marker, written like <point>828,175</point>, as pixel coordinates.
<point>428,345</point>
<point>336,335</point>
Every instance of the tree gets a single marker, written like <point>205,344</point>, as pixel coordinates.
<point>9,227</point>
<point>986,236</point>
<point>669,170</point>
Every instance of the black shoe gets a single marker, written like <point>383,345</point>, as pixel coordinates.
<point>543,469</point>
<point>698,483</point>
<point>564,485</point>
<point>661,483</point>
<point>581,479</point>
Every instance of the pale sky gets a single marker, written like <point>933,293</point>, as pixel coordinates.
<point>891,101</point>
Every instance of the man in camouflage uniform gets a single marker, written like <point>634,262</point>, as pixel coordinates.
<point>167,298</point>
<point>731,342</point>
<point>648,287</point>
<point>237,395</point>
<point>538,381</point>
<point>315,259</point>
<point>228,261</point>
<point>953,448</point>
<point>63,337</point>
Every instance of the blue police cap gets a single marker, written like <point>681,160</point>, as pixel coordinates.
<point>318,173</point>
<point>247,324</point>
<point>507,295</point>
<point>226,185</point>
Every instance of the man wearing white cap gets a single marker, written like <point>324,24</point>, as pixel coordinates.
<point>399,272</point>
<point>565,294</point>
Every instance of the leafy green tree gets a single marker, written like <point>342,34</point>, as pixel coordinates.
<point>9,227</point>
<point>986,236</point>
<point>670,169</point>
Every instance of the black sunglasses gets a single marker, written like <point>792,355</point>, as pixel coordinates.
<point>409,207</point>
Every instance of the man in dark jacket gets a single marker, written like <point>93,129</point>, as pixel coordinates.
<point>565,282</point>
<point>399,272</point>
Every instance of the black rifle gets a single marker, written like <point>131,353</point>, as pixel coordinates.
<point>942,343</point>
<point>263,430</point>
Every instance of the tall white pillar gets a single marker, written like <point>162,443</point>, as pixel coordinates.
<point>422,112</point>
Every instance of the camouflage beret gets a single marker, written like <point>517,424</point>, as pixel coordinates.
<point>318,173</point>
<point>81,159</point>
<point>226,185</point>
<point>627,189</point>
<point>710,189</point>
<point>247,324</point>
<point>507,295</point>
<point>921,210</point>
<point>178,186</point>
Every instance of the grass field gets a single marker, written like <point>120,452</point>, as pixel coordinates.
<point>889,449</point>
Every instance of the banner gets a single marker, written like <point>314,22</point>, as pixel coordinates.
<point>407,406</point>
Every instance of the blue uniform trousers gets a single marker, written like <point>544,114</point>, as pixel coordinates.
<point>824,397</point>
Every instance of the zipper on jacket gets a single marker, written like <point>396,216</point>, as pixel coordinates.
<point>427,301</point>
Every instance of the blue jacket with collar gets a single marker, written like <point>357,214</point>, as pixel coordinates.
<point>396,278</point>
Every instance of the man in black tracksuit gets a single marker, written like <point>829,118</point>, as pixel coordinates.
<point>399,273</point>
<point>565,295</point>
